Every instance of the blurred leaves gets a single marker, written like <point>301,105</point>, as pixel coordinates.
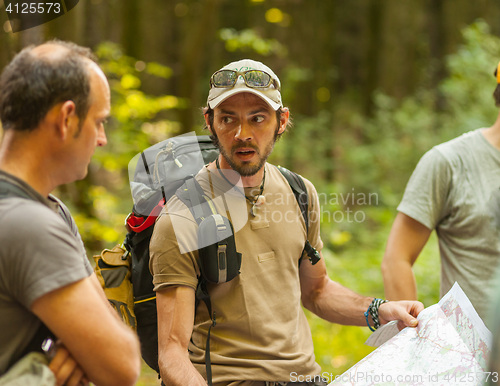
<point>277,16</point>
<point>469,88</point>
<point>248,40</point>
<point>138,120</point>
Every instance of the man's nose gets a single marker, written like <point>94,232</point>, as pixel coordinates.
<point>102,140</point>
<point>244,132</point>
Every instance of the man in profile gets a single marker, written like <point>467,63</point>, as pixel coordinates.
<point>54,100</point>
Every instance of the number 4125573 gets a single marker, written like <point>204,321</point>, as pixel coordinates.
<point>33,8</point>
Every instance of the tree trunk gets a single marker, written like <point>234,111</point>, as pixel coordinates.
<point>375,21</point>
<point>131,28</point>
<point>200,33</point>
<point>437,48</point>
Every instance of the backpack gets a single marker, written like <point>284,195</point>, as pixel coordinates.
<point>159,172</point>
<point>113,271</point>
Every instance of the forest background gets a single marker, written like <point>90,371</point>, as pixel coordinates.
<point>371,85</point>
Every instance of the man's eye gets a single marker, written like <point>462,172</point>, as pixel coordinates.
<point>102,122</point>
<point>227,119</point>
<point>259,118</point>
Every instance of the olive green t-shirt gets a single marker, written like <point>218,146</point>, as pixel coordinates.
<point>40,251</point>
<point>262,332</point>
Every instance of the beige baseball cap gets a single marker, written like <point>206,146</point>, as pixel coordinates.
<point>270,94</point>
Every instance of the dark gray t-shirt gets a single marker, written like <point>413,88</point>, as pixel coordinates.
<point>454,190</point>
<point>40,251</point>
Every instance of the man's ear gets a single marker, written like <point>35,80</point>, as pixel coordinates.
<point>285,115</point>
<point>207,121</point>
<point>67,120</point>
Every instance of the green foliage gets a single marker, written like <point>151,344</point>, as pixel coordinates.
<point>149,377</point>
<point>377,153</point>
<point>469,88</point>
<point>132,108</point>
<point>248,40</point>
<point>401,132</point>
<point>138,120</point>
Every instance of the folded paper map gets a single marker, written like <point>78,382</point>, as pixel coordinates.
<point>449,346</point>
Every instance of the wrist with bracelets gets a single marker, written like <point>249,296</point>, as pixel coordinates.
<point>373,311</point>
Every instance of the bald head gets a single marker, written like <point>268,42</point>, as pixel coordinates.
<point>56,50</point>
<point>40,77</point>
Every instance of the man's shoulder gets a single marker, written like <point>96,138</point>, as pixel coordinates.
<point>276,172</point>
<point>177,208</point>
<point>461,145</point>
<point>20,208</point>
<point>30,231</point>
<point>452,154</point>
<point>26,216</point>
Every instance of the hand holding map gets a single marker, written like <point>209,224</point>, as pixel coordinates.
<point>450,345</point>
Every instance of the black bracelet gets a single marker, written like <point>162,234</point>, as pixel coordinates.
<point>373,311</point>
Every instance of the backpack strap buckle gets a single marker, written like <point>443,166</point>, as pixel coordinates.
<point>313,254</point>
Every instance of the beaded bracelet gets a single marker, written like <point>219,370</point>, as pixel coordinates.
<point>373,311</point>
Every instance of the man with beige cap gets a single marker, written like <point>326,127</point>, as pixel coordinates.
<point>261,335</point>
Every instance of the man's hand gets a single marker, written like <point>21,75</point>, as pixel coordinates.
<point>108,357</point>
<point>66,370</point>
<point>404,311</point>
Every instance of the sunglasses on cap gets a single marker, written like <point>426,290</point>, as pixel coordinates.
<point>252,78</point>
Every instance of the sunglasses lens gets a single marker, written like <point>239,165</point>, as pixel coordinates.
<point>253,78</point>
<point>257,78</point>
<point>224,78</point>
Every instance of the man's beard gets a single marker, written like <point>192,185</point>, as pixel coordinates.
<point>246,170</point>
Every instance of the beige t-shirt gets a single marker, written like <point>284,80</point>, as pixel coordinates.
<point>262,332</point>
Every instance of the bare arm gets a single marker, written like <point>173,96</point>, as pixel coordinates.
<point>79,315</point>
<point>406,240</point>
<point>328,299</point>
<point>175,325</point>
<point>338,304</point>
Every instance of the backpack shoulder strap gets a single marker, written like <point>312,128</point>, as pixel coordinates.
<point>300,192</point>
<point>193,196</point>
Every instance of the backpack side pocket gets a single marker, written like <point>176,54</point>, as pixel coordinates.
<point>112,268</point>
